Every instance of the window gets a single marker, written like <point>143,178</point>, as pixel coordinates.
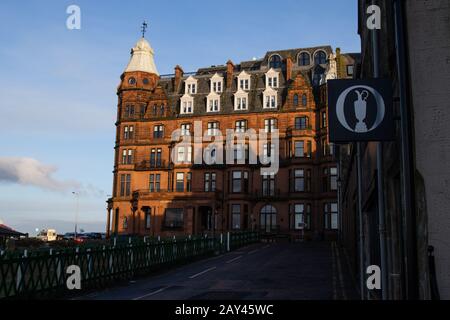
<point>125,223</point>
<point>236,216</point>
<point>158,131</point>
<point>128,132</point>
<point>127,156</point>
<point>301,216</point>
<point>270,125</point>
<point>125,185</point>
<point>184,154</point>
<point>240,152</point>
<point>331,216</point>
<point>173,218</point>
<point>241,126</point>
<point>324,119</point>
<point>350,68</point>
<point>304,100</point>
<point>304,59</point>
<point>129,111</point>
<point>275,62</point>
<point>333,179</point>
<point>210,182</point>
<point>187,106</point>
<point>295,100</point>
<point>299,149</point>
<point>244,84</point>
<point>179,187</point>
<point>142,111</point>
<point>273,82</point>
<point>217,86</point>
<point>161,110</point>
<point>301,180</point>
<point>325,147</point>
<point>268,218</point>
<point>148,217</point>
<point>241,103</point>
<point>301,123</point>
<point>191,88</point>
<point>186,129</point>
<point>270,101</point>
<point>268,185</point>
<point>239,181</point>
<point>213,105</point>
<point>155,183</point>
<point>155,110</point>
<point>320,57</point>
<point>213,128</point>
<point>189,182</point>
<point>155,158</point>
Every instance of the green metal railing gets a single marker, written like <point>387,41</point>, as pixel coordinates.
<point>44,274</point>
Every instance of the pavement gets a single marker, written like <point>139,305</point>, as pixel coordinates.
<point>264,271</point>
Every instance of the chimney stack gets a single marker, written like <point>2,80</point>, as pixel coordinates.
<point>288,68</point>
<point>178,75</point>
<point>230,70</point>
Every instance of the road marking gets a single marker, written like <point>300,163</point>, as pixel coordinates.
<point>253,251</point>
<point>151,293</point>
<point>232,260</point>
<point>203,272</point>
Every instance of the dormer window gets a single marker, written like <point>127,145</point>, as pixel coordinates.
<point>243,81</point>
<point>190,85</point>
<point>244,84</point>
<point>304,59</point>
<point>270,101</point>
<point>320,57</point>
<point>191,88</point>
<point>272,77</point>
<point>213,104</point>
<point>241,103</point>
<point>275,61</point>
<point>217,87</point>
<point>273,82</point>
<point>216,83</point>
<point>187,104</point>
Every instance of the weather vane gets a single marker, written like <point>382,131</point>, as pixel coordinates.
<point>144,28</point>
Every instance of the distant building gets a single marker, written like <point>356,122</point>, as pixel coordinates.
<point>285,90</point>
<point>8,233</point>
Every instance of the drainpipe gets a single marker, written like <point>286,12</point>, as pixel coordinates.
<point>380,178</point>
<point>407,154</point>
<point>360,220</point>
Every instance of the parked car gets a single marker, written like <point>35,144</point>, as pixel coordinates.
<point>95,235</point>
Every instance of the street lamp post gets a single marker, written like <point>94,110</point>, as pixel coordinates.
<point>76,194</point>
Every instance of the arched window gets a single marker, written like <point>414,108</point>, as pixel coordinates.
<point>275,61</point>
<point>162,109</point>
<point>268,218</point>
<point>304,100</point>
<point>304,59</point>
<point>295,100</point>
<point>320,57</point>
<point>155,110</point>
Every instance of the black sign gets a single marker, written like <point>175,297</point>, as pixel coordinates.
<point>360,110</point>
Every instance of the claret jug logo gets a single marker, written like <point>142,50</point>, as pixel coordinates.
<point>360,110</point>
<point>365,114</point>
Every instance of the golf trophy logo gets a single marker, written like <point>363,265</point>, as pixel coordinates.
<point>360,107</point>
<point>361,110</point>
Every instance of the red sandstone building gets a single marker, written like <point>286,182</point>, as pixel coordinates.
<point>285,90</point>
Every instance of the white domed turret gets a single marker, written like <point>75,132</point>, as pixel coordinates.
<point>142,58</point>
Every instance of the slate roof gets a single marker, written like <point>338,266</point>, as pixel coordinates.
<point>257,70</point>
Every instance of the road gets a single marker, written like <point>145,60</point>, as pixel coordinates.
<point>272,271</point>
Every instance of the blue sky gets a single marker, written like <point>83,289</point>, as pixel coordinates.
<point>58,86</point>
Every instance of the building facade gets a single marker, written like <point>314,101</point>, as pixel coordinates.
<point>159,188</point>
<point>414,44</point>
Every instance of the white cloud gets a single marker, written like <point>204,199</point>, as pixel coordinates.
<point>31,172</point>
